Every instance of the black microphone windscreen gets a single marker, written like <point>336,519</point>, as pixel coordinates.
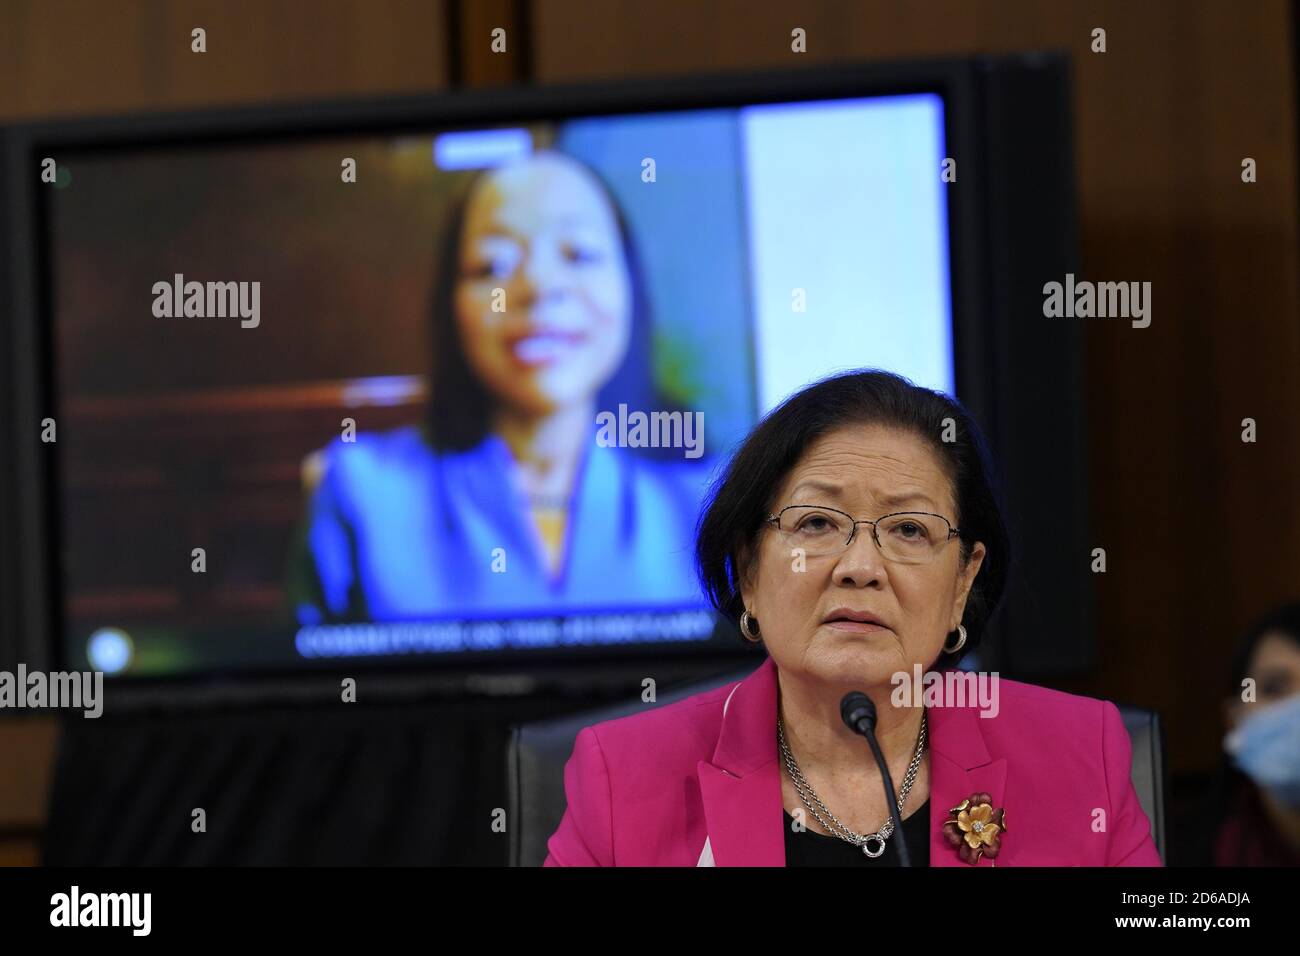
<point>855,707</point>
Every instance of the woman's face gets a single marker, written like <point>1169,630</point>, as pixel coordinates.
<point>866,471</point>
<point>1275,667</point>
<point>542,232</point>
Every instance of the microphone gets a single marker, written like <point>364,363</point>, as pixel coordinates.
<point>859,713</point>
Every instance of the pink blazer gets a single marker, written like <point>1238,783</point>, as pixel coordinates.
<point>698,782</point>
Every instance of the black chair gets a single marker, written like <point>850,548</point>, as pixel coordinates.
<point>538,751</point>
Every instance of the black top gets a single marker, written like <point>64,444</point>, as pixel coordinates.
<point>808,848</point>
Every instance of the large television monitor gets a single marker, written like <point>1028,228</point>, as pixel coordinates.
<point>419,381</point>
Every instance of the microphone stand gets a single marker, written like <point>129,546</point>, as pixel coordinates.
<point>859,712</point>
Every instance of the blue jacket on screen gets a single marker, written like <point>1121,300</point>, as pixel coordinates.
<point>398,530</point>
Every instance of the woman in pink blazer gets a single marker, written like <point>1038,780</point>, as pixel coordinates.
<point>766,772</point>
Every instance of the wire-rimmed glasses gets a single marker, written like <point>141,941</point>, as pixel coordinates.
<point>906,537</point>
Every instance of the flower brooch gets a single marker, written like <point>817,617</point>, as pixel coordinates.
<point>976,828</point>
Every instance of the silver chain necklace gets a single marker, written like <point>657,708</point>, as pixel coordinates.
<point>873,844</point>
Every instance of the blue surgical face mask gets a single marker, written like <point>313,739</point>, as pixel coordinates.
<point>1266,746</point>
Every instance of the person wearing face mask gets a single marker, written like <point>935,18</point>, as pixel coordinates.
<point>856,544</point>
<point>1256,796</point>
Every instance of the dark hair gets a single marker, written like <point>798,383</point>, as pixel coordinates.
<point>459,406</point>
<point>1283,620</point>
<point>740,498</point>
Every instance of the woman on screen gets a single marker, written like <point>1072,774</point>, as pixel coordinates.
<point>511,498</point>
<point>861,550</point>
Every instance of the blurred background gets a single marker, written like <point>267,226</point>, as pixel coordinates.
<point>1201,530</point>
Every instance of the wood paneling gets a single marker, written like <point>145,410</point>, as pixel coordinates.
<point>87,56</point>
<point>27,748</point>
<point>478,60</point>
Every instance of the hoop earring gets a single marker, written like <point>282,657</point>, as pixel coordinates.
<point>961,641</point>
<point>745,620</point>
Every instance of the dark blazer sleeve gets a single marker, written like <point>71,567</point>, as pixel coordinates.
<point>586,833</point>
<point>1130,830</point>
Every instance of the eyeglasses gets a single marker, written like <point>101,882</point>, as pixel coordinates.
<point>906,537</point>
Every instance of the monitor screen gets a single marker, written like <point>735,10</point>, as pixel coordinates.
<point>372,398</point>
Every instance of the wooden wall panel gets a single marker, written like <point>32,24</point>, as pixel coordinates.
<point>27,749</point>
<point>88,56</point>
